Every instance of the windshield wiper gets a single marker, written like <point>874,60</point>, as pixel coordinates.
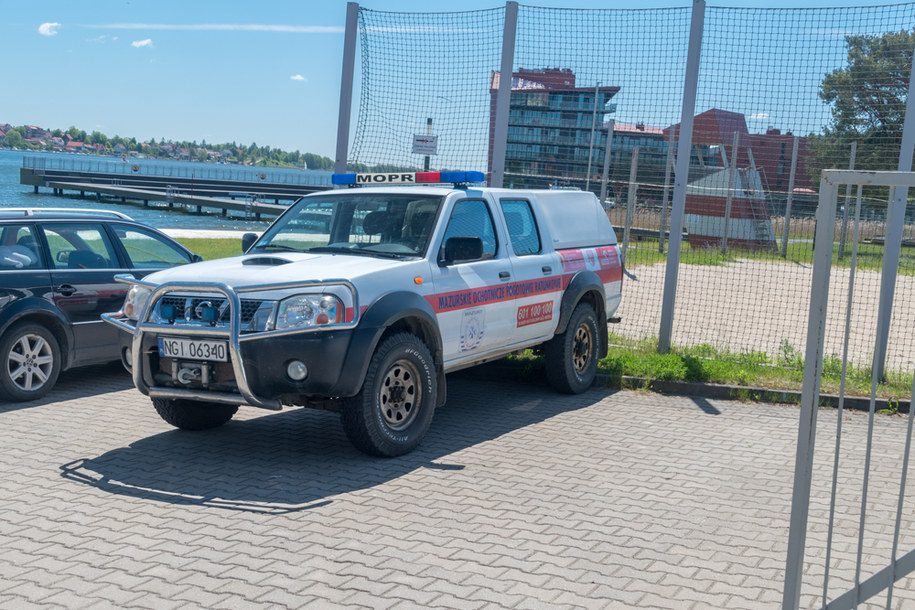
<point>360,252</point>
<point>279,247</point>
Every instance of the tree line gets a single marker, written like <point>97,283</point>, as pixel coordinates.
<point>230,152</point>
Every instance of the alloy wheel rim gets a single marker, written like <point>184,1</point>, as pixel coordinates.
<point>30,362</point>
<point>581,349</point>
<point>400,395</point>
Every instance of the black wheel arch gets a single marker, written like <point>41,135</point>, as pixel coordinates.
<point>585,286</point>
<point>37,311</point>
<point>391,313</point>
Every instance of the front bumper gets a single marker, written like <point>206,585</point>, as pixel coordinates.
<point>255,373</point>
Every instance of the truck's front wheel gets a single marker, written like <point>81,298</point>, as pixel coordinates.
<point>193,415</point>
<point>571,357</point>
<point>392,412</point>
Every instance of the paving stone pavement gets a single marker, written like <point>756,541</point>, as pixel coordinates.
<point>518,498</point>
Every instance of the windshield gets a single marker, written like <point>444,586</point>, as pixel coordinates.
<point>373,224</point>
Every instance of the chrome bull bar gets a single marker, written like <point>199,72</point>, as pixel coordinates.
<point>232,335</point>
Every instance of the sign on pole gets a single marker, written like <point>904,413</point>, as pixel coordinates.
<point>425,145</point>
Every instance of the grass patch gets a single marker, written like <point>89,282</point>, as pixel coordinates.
<point>704,363</point>
<point>210,248</point>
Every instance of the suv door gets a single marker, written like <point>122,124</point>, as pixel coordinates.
<point>471,297</point>
<point>537,284</point>
<point>83,265</point>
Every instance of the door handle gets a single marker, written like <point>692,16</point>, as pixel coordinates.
<point>66,289</point>
<point>504,275</point>
<point>546,269</point>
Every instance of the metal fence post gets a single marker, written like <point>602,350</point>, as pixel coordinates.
<point>892,246</point>
<point>503,101</point>
<point>607,150</point>
<point>681,177</point>
<point>665,201</point>
<point>851,165</point>
<point>591,140</point>
<point>790,197</point>
<point>730,196</point>
<point>630,202</point>
<point>813,362</point>
<point>346,86</point>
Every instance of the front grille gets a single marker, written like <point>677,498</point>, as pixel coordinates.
<point>189,309</point>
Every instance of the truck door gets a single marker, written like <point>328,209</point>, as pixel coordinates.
<point>537,284</point>
<point>471,300</point>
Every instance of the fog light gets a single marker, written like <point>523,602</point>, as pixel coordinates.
<point>297,370</point>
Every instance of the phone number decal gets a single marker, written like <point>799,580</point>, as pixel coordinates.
<point>532,314</point>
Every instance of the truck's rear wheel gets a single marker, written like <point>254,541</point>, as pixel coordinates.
<point>392,412</point>
<point>193,415</point>
<point>571,357</point>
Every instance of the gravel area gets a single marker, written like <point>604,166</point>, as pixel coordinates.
<point>754,305</point>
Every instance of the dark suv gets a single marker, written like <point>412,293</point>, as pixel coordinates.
<point>57,269</point>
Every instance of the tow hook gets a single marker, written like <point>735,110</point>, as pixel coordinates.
<point>187,375</point>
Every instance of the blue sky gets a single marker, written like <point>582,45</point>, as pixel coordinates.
<point>265,72</point>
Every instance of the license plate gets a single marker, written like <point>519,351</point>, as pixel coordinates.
<point>194,349</point>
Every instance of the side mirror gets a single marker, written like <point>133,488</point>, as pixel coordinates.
<point>196,258</point>
<point>458,249</point>
<point>247,240</point>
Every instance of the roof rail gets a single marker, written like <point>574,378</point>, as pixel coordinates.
<point>89,211</point>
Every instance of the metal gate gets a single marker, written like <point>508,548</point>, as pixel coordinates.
<point>867,581</point>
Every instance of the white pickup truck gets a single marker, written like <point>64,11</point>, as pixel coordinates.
<point>362,299</point>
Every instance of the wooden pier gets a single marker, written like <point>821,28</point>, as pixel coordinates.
<point>250,198</point>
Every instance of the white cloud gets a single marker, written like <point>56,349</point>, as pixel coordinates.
<point>227,27</point>
<point>142,43</point>
<point>48,29</point>
<point>760,116</point>
<point>298,77</point>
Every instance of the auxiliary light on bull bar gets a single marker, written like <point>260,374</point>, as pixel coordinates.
<point>455,178</point>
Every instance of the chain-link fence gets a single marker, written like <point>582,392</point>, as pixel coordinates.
<point>782,94</point>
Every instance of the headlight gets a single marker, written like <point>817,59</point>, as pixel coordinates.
<point>136,300</point>
<point>302,311</point>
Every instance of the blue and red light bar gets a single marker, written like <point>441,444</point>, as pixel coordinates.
<point>408,178</point>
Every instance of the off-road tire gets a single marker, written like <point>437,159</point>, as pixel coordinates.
<point>392,412</point>
<point>29,362</point>
<point>193,415</point>
<point>571,357</point>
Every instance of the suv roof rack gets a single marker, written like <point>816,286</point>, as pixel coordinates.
<point>62,211</point>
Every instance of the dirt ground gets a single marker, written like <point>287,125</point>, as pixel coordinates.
<point>753,305</point>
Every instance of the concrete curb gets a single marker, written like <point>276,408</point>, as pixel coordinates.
<point>706,390</point>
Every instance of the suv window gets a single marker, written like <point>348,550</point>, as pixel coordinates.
<point>79,246</point>
<point>148,250</point>
<point>18,248</point>
<point>522,229</point>
<point>471,218</point>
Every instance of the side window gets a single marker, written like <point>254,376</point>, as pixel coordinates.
<point>19,249</point>
<point>472,219</point>
<point>79,246</point>
<point>148,250</point>
<point>522,229</point>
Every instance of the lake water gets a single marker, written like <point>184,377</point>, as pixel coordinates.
<point>13,194</point>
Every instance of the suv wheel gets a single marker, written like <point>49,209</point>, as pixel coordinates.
<point>31,362</point>
<point>571,357</point>
<point>193,415</point>
<point>392,412</point>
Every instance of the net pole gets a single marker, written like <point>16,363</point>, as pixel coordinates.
<point>503,101</point>
<point>630,202</point>
<point>346,86</point>
<point>895,222</point>
<point>681,177</point>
